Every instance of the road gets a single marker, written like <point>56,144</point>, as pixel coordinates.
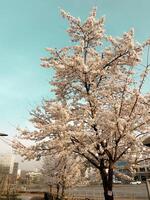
<point>121,192</point>
<point>31,196</point>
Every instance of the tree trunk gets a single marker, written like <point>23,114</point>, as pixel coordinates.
<point>107,180</point>
<point>63,191</point>
<point>50,189</point>
<point>57,192</point>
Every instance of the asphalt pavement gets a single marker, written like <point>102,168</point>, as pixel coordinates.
<point>121,191</point>
<point>95,192</point>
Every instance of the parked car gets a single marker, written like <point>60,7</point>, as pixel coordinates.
<point>135,182</point>
<point>117,182</point>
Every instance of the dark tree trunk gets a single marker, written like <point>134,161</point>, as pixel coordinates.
<point>50,189</point>
<point>107,180</point>
<point>63,191</point>
<point>57,192</point>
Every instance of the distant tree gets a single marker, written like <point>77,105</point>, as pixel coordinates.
<point>62,172</point>
<point>99,112</point>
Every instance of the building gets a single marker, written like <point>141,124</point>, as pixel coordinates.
<point>7,168</point>
<point>6,164</point>
<point>15,169</point>
<point>35,177</point>
<point>143,170</point>
<point>14,172</point>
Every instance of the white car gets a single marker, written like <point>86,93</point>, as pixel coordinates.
<point>117,182</point>
<point>135,182</point>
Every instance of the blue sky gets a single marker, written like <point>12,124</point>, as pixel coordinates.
<point>28,26</point>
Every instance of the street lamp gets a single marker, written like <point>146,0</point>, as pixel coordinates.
<point>3,134</point>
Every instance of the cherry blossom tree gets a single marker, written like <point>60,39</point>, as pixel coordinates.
<point>62,172</point>
<point>99,112</point>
